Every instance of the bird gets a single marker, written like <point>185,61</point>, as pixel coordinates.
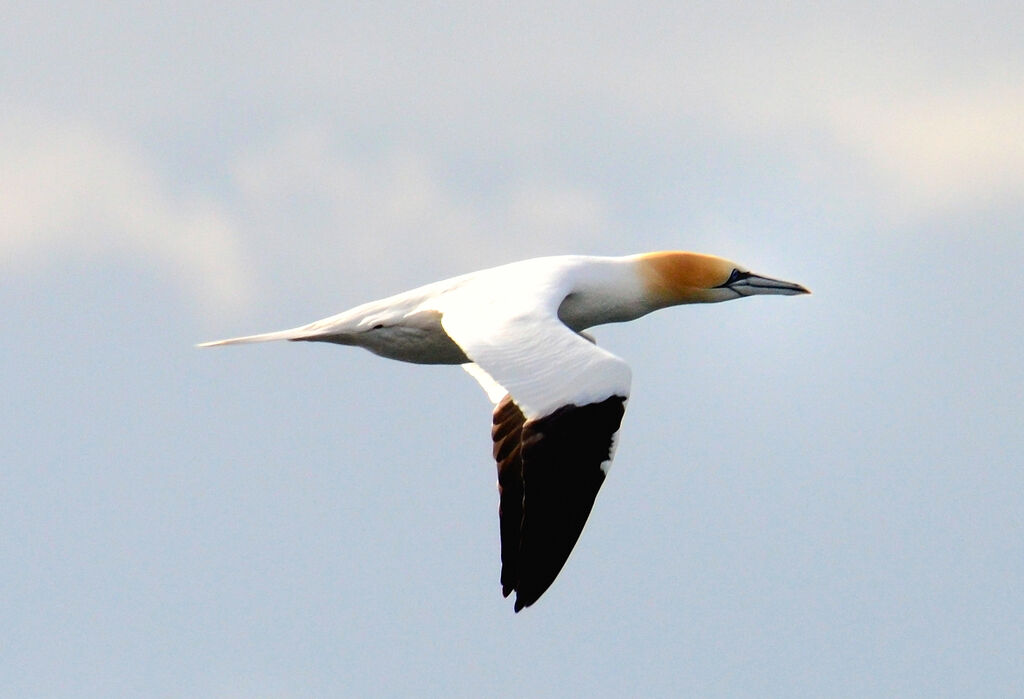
<point>519,329</point>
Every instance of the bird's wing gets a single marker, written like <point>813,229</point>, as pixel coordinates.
<point>519,341</point>
<point>554,433</point>
<point>549,472</point>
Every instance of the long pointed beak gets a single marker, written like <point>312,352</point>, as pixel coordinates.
<point>749,284</point>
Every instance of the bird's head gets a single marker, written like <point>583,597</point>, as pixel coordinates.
<point>673,278</point>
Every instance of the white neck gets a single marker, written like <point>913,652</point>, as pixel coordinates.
<point>605,290</point>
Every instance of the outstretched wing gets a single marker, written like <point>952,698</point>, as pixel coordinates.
<point>554,433</point>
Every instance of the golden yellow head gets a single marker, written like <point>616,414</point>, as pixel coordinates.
<point>673,278</point>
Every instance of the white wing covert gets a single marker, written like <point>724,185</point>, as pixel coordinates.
<point>522,345</point>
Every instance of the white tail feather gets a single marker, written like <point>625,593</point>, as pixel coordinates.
<point>293,334</point>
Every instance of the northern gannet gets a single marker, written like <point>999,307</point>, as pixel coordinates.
<point>518,329</point>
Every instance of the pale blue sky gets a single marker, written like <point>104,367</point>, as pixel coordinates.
<point>815,496</point>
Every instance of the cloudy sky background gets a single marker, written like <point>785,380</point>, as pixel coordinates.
<point>811,496</point>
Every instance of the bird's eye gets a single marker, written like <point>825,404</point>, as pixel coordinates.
<point>736,276</point>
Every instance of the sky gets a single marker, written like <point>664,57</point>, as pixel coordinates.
<point>812,496</point>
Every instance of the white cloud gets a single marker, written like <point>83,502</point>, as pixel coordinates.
<point>926,100</point>
<point>68,191</point>
<point>393,216</point>
<point>942,150</point>
<point>920,106</point>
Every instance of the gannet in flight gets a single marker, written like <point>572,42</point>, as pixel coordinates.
<point>559,398</point>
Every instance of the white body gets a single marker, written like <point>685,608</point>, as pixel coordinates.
<point>518,324</point>
<point>560,398</point>
<point>585,291</point>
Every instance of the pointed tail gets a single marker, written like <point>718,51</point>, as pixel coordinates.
<point>293,334</point>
